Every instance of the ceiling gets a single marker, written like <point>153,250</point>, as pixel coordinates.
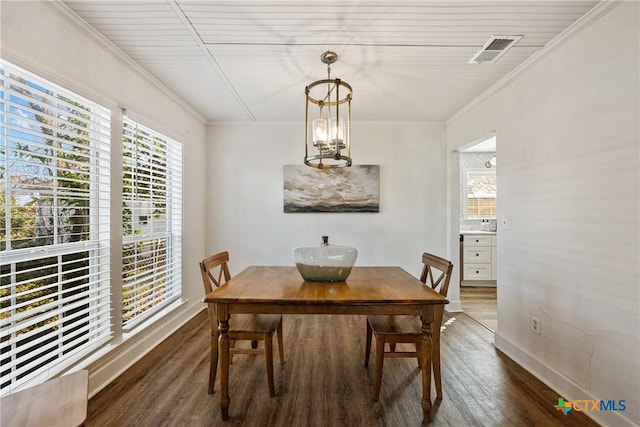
<point>487,145</point>
<point>246,60</point>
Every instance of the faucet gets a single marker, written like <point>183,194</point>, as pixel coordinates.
<point>325,240</point>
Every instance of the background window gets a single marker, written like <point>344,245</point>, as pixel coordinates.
<point>480,195</point>
<point>54,226</point>
<point>152,222</point>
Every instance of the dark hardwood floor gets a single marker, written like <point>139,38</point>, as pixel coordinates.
<point>324,383</point>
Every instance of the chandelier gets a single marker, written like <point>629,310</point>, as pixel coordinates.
<point>328,120</point>
<point>491,162</point>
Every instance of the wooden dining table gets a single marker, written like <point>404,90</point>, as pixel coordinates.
<point>368,290</point>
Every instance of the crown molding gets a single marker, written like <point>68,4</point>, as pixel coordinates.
<point>81,25</point>
<point>585,21</point>
<point>20,59</point>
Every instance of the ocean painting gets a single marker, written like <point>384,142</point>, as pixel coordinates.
<point>350,189</point>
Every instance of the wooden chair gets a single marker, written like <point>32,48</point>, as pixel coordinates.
<point>408,329</point>
<point>253,327</point>
<point>59,402</point>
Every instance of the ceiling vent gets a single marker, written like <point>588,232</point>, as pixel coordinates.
<point>494,48</point>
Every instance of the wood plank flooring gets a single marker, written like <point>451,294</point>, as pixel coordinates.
<point>324,383</point>
<point>480,303</point>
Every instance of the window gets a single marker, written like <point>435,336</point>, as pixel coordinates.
<point>480,195</point>
<point>152,222</point>
<point>54,226</point>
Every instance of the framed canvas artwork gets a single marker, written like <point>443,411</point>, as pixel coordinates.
<point>352,189</point>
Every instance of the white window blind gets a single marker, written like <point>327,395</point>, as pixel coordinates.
<point>54,227</point>
<point>481,195</point>
<point>152,222</point>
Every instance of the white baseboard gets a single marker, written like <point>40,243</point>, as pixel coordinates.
<point>561,384</point>
<point>454,307</point>
<point>122,357</point>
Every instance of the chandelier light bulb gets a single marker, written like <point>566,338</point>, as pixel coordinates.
<point>320,133</point>
<point>337,131</point>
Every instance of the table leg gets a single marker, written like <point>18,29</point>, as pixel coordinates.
<point>223,348</point>
<point>425,355</point>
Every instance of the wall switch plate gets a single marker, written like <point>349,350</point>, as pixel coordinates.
<point>535,324</point>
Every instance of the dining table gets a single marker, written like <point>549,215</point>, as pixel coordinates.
<point>368,290</point>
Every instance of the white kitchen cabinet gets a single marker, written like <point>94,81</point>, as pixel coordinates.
<point>479,257</point>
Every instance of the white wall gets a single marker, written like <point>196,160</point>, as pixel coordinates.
<point>568,150</point>
<point>245,196</point>
<point>41,40</point>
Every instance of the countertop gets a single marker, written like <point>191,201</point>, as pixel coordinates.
<point>476,232</point>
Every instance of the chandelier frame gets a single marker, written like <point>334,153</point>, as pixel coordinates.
<point>331,152</point>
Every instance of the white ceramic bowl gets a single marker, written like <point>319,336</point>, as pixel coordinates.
<point>330,263</point>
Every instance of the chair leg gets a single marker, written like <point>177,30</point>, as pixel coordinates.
<point>214,363</point>
<point>418,344</point>
<point>379,365</point>
<point>268,355</point>
<point>435,358</point>
<point>280,342</point>
<point>367,350</point>
<point>232,344</point>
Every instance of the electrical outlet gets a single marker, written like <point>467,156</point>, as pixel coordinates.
<point>535,324</point>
